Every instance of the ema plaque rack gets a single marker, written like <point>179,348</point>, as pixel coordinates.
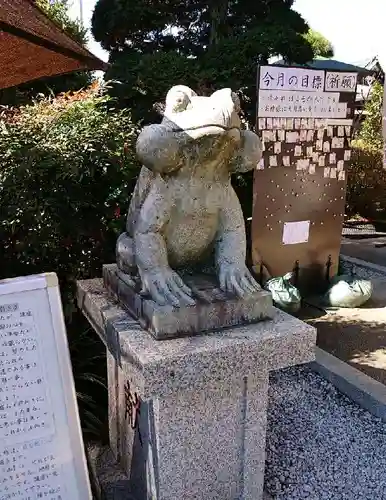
<point>305,120</point>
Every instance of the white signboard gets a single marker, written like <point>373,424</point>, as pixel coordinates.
<point>41,452</point>
<point>288,104</point>
<point>279,78</point>
<point>296,232</point>
<point>341,82</point>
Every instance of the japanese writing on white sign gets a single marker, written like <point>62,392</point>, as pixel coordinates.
<point>300,104</point>
<point>22,381</point>
<point>341,82</point>
<point>41,455</point>
<point>24,476</point>
<point>278,78</point>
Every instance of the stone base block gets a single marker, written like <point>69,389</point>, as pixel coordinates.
<point>188,416</point>
<point>214,309</point>
<point>108,479</point>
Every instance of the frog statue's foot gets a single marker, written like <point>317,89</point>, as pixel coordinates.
<point>125,255</point>
<point>237,280</point>
<point>163,284</point>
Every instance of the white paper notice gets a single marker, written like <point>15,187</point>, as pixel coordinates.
<point>41,452</point>
<point>275,77</point>
<point>286,161</point>
<point>298,104</point>
<point>296,232</point>
<point>260,165</point>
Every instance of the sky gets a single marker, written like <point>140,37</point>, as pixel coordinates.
<point>354,27</point>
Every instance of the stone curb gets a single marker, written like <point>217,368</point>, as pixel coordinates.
<point>359,387</point>
<point>363,264</point>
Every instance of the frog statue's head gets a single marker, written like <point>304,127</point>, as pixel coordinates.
<point>199,134</point>
<point>198,116</point>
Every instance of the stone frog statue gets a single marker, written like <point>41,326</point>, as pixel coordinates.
<point>184,208</point>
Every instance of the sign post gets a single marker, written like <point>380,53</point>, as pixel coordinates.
<point>305,119</point>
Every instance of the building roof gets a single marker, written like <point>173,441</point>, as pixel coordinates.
<point>32,46</point>
<point>329,64</point>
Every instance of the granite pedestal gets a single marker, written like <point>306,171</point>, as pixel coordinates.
<point>188,415</point>
<point>214,310</point>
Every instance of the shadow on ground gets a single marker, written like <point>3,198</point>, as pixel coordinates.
<point>356,336</point>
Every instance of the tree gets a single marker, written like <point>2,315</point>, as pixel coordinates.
<point>57,11</point>
<point>370,135</point>
<point>366,190</point>
<point>321,46</point>
<point>155,44</point>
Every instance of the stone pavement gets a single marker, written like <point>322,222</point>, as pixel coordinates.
<point>369,249</point>
<point>356,336</point>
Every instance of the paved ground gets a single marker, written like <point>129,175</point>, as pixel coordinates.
<point>356,336</point>
<point>365,249</point>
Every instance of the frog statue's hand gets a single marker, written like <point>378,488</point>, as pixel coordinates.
<point>158,280</point>
<point>166,287</point>
<point>238,280</point>
<point>248,155</point>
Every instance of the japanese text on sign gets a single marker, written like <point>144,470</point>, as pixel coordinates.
<point>300,104</point>
<point>22,380</point>
<point>41,454</point>
<point>278,78</point>
<point>341,82</point>
<point>25,411</point>
<point>34,477</point>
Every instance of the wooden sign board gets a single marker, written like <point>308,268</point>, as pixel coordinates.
<point>41,452</point>
<point>305,119</point>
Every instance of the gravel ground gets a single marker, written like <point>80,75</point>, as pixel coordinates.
<point>320,445</point>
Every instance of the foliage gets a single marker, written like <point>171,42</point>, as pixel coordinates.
<point>366,187</point>
<point>321,46</point>
<point>366,193</point>
<point>370,135</point>
<point>154,45</point>
<point>57,11</point>
<point>68,164</point>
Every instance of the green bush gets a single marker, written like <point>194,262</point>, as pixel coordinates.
<point>366,189</point>
<point>366,186</point>
<point>67,166</point>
